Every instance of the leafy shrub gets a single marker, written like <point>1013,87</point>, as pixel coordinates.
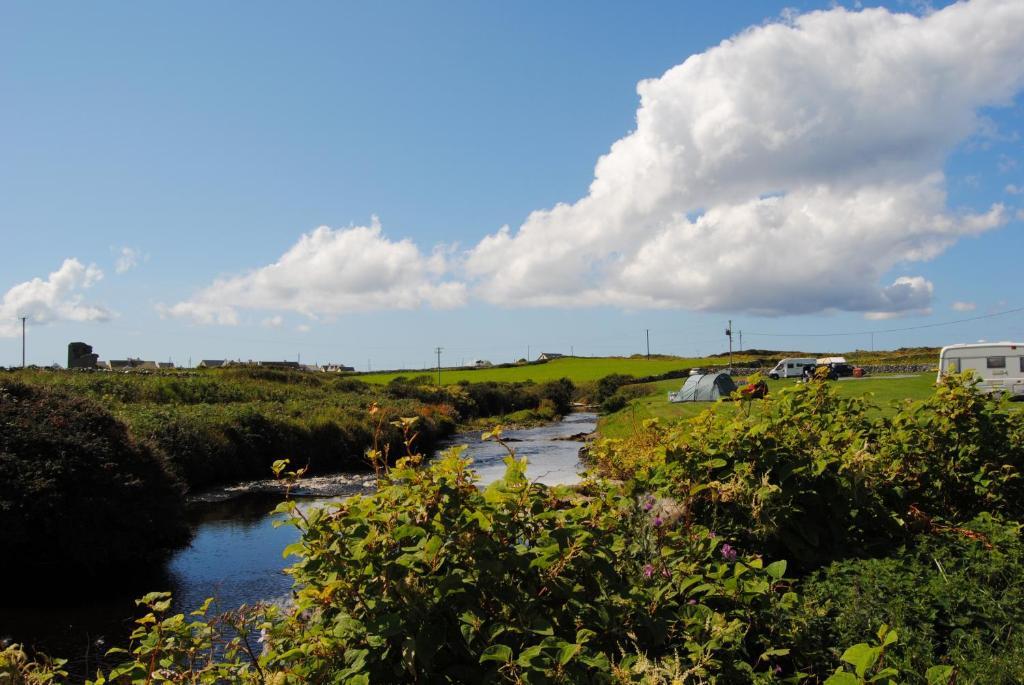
<point>624,395</point>
<point>432,578</point>
<point>79,498</point>
<point>813,475</point>
<point>955,595</point>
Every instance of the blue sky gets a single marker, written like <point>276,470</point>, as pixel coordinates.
<point>209,138</point>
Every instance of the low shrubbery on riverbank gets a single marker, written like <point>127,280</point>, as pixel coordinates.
<point>79,497</point>
<point>810,541</point>
<point>224,426</point>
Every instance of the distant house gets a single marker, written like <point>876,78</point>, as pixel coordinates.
<point>548,356</point>
<point>482,364</point>
<point>130,363</point>
<point>336,368</point>
<point>212,363</point>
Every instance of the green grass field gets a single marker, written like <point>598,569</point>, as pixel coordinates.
<point>882,391</point>
<point>577,369</point>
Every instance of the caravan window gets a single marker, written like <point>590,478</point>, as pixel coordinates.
<point>953,365</point>
<point>790,365</point>
<point>1021,364</point>
<point>995,363</point>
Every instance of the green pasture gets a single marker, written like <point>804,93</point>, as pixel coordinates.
<point>881,390</point>
<point>576,369</point>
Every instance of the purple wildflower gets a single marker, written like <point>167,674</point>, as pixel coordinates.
<point>657,521</point>
<point>648,504</point>
<point>728,553</point>
<point>711,534</point>
<point>648,571</point>
<point>692,601</point>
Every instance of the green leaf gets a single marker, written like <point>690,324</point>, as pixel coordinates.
<point>939,675</point>
<point>776,569</point>
<point>862,657</point>
<point>843,678</point>
<point>566,654</point>
<point>294,549</point>
<point>500,653</point>
<point>527,656</point>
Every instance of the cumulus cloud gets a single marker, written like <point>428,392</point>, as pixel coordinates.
<point>127,259</point>
<point>331,271</point>
<point>273,322</point>
<point>790,169</point>
<point>964,306</point>
<point>58,298</point>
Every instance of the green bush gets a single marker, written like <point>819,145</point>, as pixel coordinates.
<point>431,579</point>
<point>812,475</point>
<point>956,596</point>
<point>79,498</point>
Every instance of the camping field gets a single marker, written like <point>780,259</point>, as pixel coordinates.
<point>883,391</point>
<point>576,369</point>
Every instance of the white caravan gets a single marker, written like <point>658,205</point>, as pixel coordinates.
<point>792,367</point>
<point>1000,365</point>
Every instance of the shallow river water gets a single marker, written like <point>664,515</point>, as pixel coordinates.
<point>235,554</point>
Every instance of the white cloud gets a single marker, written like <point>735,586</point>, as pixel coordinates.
<point>1013,189</point>
<point>58,298</point>
<point>964,306</point>
<point>331,271</point>
<point>273,322</point>
<point>127,259</point>
<point>790,169</point>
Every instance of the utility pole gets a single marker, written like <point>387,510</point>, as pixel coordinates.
<point>527,353</point>
<point>23,341</point>
<point>572,352</point>
<point>648,344</point>
<point>438,351</point>
<point>741,341</point>
<point>728,332</point>
<point>872,341</point>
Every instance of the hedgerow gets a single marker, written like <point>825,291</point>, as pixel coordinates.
<point>79,498</point>
<point>904,562</point>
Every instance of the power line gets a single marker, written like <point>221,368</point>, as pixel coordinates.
<point>890,330</point>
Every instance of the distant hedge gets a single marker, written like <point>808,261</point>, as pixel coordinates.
<point>78,496</point>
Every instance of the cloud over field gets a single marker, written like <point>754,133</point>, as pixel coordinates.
<point>58,298</point>
<point>788,169</point>
<point>330,271</point>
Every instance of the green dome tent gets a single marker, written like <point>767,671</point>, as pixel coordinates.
<point>704,387</point>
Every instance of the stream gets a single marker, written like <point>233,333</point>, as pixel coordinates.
<point>235,553</point>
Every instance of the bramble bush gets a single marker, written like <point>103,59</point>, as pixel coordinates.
<point>79,498</point>
<point>955,595</point>
<point>812,476</point>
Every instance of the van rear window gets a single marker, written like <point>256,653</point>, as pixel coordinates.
<point>995,363</point>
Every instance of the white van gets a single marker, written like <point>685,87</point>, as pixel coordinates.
<point>1000,366</point>
<point>791,368</point>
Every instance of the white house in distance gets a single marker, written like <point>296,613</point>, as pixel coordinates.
<point>999,365</point>
<point>548,356</point>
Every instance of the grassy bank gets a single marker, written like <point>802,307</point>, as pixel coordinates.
<point>576,369</point>
<point>223,426</point>
<point>653,403</point>
<point>588,369</point>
